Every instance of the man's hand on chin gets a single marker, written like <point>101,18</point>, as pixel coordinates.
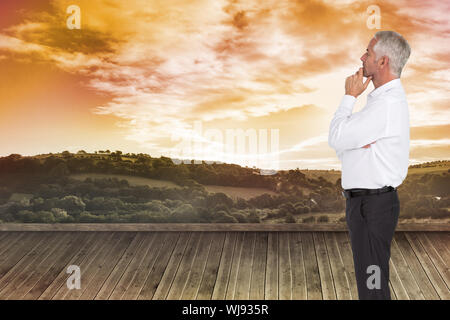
<point>354,85</point>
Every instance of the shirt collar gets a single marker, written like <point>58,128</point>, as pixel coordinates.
<point>388,85</point>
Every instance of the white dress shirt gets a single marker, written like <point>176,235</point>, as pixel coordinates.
<point>383,120</point>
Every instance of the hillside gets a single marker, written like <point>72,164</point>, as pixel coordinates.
<point>116,187</point>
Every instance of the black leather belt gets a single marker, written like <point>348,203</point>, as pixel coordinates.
<point>349,193</point>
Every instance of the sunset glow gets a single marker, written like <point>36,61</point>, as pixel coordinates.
<point>139,72</point>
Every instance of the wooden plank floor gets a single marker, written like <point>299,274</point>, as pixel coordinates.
<point>212,265</point>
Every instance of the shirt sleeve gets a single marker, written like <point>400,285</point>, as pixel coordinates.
<point>339,154</point>
<point>352,131</point>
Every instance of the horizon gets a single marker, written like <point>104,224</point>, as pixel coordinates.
<point>206,161</point>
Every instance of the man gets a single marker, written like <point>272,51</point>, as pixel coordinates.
<point>373,146</point>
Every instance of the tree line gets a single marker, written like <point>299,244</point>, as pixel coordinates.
<point>56,197</point>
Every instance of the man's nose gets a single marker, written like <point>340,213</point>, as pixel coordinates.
<point>363,57</point>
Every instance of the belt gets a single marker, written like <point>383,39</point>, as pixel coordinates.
<point>349,193</point>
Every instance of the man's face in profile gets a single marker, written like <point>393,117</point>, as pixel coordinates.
<point>369,61</point>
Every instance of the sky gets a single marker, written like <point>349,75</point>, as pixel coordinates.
<point>182,78</point>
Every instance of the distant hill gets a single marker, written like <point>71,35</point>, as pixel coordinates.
<point>115,187</point>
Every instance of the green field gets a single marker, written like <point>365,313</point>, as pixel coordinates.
<point>132,180</point>
<point>232,192</point>
<point>333,176</point>
<point>437,170</point>
<point>235,192</point>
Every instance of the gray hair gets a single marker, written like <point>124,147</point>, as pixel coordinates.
<point>395,47</point>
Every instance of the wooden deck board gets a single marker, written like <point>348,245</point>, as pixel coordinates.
<point>146,266</point>
<point>299,289</point>
<point>231,287</point>
<point>337,267</point>
<point>345,250</point>
<point>115,276</point>
<point>133,267</point>
<point>210,274</point>
<point>326,278</point>
<point>156,272</point>
<point>428,267</point>
<point>285,267</point>
<point>223,273</point>
<point>198,267</point>
<point>257,285</point>
<point>98,264</point>
<point>92,244</point>
<point>314,290</point>
<point>244,277</point>
<point>441,243</point>
<point>440,264</point>
<point>405,273</point>
<point>17,250</point>
<point>172,267</point>
<point>230,265</point>
<point>184,269</point>
<point>21,271</point>
<point>61,250</point>
<point>9,239</point>
<point>418,272</point>
<point>396,284</point>
<point>105,268</point>
<point>131,283</point>
<point>60,264</point>
<point>271,285</point>
<point>216,227</point>
<point>84,266</point>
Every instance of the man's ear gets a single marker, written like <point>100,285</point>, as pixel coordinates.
<point>383,62</point>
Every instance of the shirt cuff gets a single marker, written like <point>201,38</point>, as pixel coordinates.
<point>348,102</point>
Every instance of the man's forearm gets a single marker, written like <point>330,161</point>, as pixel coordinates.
<point>342,113</point>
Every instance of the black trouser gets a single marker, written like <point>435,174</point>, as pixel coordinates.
<point>371,220</point>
